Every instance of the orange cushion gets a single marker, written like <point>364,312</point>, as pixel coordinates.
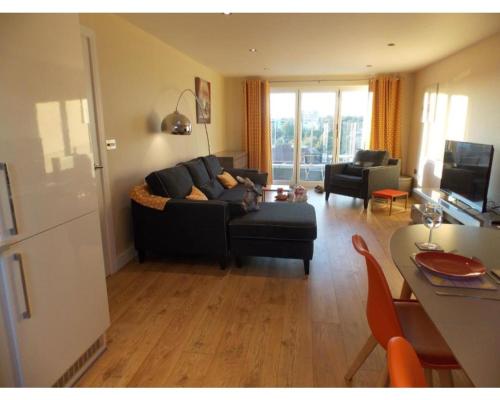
<point>196,194</point>
<point>142,195</point>
<point>227,180</point>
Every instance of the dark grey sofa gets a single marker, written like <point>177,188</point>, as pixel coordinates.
<point>370,171</point>
<point>187,227</point>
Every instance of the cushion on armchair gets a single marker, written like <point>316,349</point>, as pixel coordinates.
<point>175,182</point>
<point>377,157</point>
<point>353,170</point>
<point>356,168</point>
<point>347,181</point>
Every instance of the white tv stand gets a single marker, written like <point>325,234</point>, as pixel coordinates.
<point>454,212</point>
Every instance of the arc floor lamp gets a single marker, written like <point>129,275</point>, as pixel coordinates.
<point>178,124</point>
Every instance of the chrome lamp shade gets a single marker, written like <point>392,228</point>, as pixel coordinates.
<point>177,124</point>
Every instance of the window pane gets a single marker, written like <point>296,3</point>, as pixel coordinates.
<point>317,118</point>
<point>283,135</point>
<point>354,123</point>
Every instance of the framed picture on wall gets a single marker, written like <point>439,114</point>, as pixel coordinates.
<point>203,111</point>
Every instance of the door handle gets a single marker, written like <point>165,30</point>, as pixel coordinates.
<point>26,314</point>
<point>13,230</point>
<point>97,166</point>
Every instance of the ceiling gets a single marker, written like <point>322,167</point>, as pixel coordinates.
<point>317,44</point>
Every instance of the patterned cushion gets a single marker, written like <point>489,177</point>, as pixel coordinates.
<point>142,195</point>
<point>196,194</point>
<point>227,180</point>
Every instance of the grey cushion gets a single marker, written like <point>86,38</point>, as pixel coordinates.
<point>353,170</point>
<point>198,171</point>
<point>212,189</point>
<point>236,194</point>
<point>172,182</point>
<point>347,181</point>
<point>213,166</point>
<point>276,221</point>
<point>377,157</point>
<point>356,168</point>
<point>363,164</point>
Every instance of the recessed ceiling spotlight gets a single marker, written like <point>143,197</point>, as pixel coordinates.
<point>391,44</point>
<point>252,50</point>
<point>369,65</point>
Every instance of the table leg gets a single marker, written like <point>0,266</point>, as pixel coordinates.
<point>390,206</point>
<point>405,291</point>
<point>406,201</point>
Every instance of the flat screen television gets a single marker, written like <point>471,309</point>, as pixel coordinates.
<point>466,172</point>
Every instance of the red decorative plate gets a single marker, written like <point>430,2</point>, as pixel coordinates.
<point>450,264</point>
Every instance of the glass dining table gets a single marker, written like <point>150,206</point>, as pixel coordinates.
<point>468,319</point>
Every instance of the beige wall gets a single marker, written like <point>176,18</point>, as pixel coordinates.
<point>141,78</point>
<point>235,105</point>
<point>475,73</point>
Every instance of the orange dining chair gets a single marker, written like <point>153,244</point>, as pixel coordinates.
<point>405,370</point>
<point>388,317</point>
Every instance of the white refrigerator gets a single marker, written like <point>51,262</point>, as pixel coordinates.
<point>53,301</point>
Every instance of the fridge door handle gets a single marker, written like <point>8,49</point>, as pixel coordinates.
<point>26,314</point>
<point>3,168</point>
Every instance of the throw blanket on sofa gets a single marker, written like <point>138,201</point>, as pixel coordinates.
<point>142,195</point>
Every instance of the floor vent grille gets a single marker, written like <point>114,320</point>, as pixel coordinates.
<point>80,365</point>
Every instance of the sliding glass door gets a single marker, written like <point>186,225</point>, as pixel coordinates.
<point>283,135</point>
<point>314,127</point>
<point>316,136</point>
<point>354,122</point>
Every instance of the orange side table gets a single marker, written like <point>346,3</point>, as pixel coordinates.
<point>390,195</point>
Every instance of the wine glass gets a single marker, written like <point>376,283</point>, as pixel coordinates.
<point>432,217</point>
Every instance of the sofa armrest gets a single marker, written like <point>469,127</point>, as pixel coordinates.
<point>383,177</point>
<point>183,227</point>
<point>333,169</point>
<point>254,175</point>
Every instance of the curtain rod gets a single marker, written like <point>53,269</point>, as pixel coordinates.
<point>322,80</point>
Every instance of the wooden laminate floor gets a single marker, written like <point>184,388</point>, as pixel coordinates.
<point>184,322</point>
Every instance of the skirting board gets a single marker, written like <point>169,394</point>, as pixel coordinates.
<point>124,258</point>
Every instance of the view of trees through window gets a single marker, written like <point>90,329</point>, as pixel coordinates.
<point>317,131</point>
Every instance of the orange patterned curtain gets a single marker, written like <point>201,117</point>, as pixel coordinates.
<point>258,125</point>
<point>386,115</point>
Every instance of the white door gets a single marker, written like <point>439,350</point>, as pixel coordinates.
<point>96,131</point>
<point>44,141</point>
<point>55,296</point>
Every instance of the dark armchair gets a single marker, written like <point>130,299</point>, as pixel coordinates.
<point>370,171</point>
